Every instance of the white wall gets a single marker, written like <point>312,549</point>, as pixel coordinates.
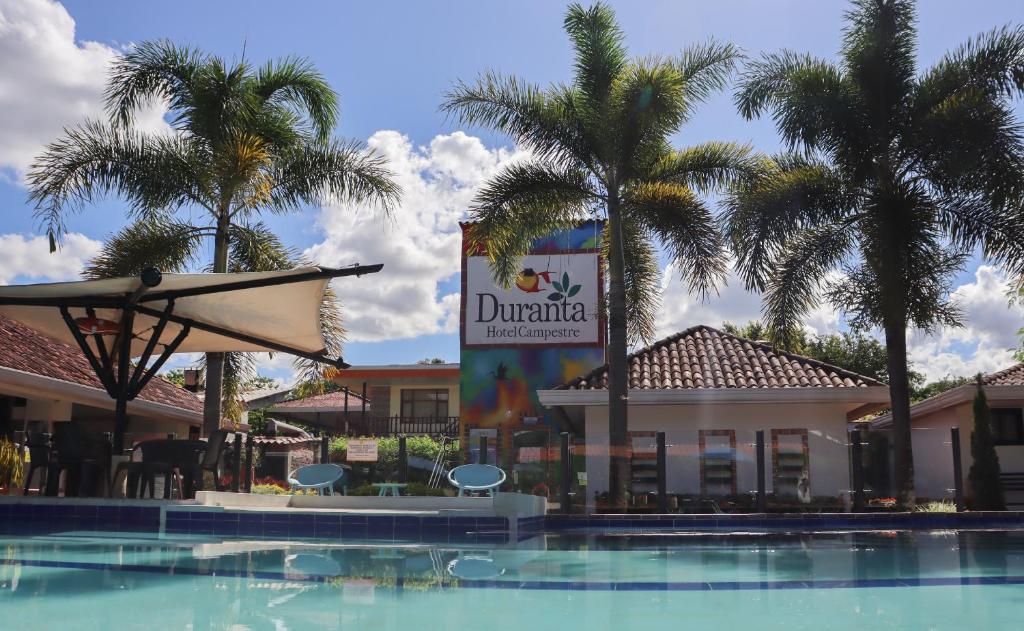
<point>826,425</point>
<point>933,455</point>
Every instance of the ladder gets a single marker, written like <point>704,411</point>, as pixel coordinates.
<point>438,470</point>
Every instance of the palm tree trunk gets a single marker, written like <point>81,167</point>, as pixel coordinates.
<point>618,370</point>
<point>899,396</point>
<point>215,361</point>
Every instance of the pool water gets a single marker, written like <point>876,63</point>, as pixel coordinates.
<point>880,580</point>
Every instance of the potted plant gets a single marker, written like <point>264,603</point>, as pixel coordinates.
<point>12,466</point>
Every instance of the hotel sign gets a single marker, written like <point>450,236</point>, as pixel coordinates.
<point>555,301</point>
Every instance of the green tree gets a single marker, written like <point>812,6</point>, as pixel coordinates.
<point>932,388</point>
<point>757,331</point>
<point>896,176</point>
<point>246,140</point>
<point>176,376</point>
<point>600,145</point>
<point>986,485</point>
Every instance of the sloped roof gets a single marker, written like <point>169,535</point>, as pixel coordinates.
<point>1012,376</point>
<point>703,357</point>
<point>28,350</point>
<point>329,401</point>
<point>999,386</point>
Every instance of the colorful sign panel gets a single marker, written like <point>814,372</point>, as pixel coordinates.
<point>554,302</point>
<point>507,356</point>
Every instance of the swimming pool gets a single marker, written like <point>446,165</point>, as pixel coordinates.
<point>877,580</point>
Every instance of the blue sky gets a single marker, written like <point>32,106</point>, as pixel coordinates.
<point>391,62</point>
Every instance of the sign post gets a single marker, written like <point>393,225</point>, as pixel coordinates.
<point>362,450</point>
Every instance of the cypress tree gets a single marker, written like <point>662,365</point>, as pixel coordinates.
<point>984,473</point>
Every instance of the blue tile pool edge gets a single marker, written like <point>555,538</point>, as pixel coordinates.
<point>172,519</point>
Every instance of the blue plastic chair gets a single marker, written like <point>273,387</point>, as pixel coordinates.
<point>321,477</point>
<point>476,477</point>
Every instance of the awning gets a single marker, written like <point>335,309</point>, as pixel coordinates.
<point>165,314</point>
<point>272,307</point>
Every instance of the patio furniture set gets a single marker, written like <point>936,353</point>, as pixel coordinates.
<point>85,463</point>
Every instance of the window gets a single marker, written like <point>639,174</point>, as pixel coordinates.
<point>424,403</point>
<point>717,462</point>
<point>791,464</point>
<point>1007,426</point>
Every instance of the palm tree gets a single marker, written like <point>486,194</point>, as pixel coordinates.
<point>600,144</point>
<point>246,140</point>
<point>894,178</point>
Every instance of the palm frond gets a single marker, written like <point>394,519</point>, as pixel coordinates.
<point>687,228</point>
<point>546,124</point>
<point>523,202</point>
<point>646,105</point>
<point>793,289</point>
<point>344,171</point>
<point>641,276</point>
<point>153,173</point>
<point>880,54</point>
<point>296,84</point>
<point>255,248</point>
<point>812,104</point>
<point>787,194</point>
<point>151,71</point>
<point>163,243</point>
<point>708,166</point>
<point>600,52</point>
<point>706,68</point>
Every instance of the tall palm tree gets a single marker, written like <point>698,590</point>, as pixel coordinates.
<point>246,140</point>
<point>600,144</point>
<point>895,178</point>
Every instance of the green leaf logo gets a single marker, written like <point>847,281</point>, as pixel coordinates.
<point>563,288</point>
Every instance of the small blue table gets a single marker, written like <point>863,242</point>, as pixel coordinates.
<point>394,489</point>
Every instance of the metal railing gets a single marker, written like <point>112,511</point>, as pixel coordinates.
<point>407,425</point>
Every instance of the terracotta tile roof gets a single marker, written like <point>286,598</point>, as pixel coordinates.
<point>1012,376</point>
<point>25,349</point>
<point>326,400</point>
<point>704,357</point>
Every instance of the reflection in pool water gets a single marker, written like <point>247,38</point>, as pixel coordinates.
<point>923,580</point>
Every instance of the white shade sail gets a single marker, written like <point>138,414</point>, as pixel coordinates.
<point>282,308</point>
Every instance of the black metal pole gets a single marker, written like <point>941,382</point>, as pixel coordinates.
<point>124,357</point>
<point>483,450</point>
<point>403,460</point>
<point>566,474</point>
<point>362,410</point>
<point>662,474</point>
<point>958,469</point>
<point>325,448</point>
<point>248,463</point>
<point>236,463</point>
<point>857,455</point>
<point>762,495</point>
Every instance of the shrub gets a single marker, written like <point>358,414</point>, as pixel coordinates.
<point>936,507</point>
<point>984,472</point>
<point>269,489</point>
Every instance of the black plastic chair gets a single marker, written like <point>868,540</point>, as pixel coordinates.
<point>84,459</point>
<point>39,451</point>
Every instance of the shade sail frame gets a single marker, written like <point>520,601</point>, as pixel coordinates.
<point>112,361</point>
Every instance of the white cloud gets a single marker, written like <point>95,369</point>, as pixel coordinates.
<point>48,80</point>
<point>29,259</point>
<point>984,343</point>
<point>681,309</point>
<point>419,246</point>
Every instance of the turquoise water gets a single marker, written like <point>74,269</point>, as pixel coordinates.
<point>923,580</point>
